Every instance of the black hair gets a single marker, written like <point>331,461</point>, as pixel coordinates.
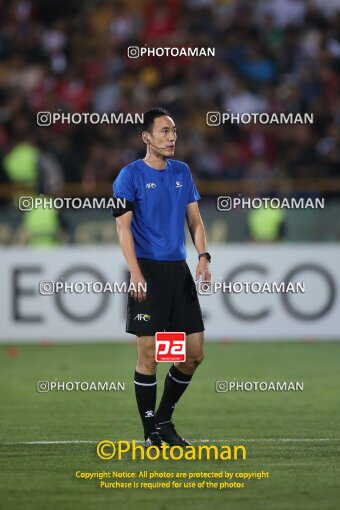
<point>149,116</point>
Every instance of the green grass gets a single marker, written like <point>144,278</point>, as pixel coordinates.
<point>304,471</point>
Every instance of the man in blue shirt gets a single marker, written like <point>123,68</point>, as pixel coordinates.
<point>160,194</point>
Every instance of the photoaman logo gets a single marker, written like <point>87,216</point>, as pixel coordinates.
<point>170,346</point>
<point>107,450</point>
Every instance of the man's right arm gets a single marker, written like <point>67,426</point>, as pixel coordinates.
<point>126,242</point>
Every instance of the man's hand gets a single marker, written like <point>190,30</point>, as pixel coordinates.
<point>202,270</point>
<point>138,281</point>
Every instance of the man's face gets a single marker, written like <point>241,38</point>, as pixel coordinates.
<point>163,136</point>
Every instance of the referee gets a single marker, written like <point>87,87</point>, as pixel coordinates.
<point>159,195</point>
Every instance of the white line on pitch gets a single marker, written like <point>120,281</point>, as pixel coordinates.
<point>245,440</point>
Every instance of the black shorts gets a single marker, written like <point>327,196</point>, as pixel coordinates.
<point>171,300</point>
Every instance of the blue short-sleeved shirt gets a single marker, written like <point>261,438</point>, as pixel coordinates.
<point>160,200</point>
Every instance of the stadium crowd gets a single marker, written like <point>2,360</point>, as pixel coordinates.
<point>71,56</point>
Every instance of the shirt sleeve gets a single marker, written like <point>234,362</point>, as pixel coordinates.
<point>123,186</point>
<point>193,195</point>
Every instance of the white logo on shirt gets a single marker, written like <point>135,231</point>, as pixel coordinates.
<point>142,317</point>
<point>151,185</point>
<point>178,184</point>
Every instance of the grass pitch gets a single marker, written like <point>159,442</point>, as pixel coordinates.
<point>46,437</point>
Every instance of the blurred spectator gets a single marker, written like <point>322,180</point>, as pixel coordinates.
<point>43,227</point>
<point>286,12</point>
<point>271,56</point>
<point>266,225</point>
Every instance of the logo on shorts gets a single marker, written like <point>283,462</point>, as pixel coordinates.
<point>178,184</point>
<point>170,346</point>
<point>150,185</point>
<point>142,317</point>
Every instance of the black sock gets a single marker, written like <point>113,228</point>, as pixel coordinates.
<point>174,386</point>
<point>145,389</point>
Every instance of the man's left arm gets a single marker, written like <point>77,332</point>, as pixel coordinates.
<point>196,229</point>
